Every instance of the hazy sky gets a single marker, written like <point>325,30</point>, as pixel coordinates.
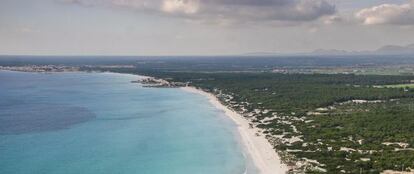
<point>201,27</point>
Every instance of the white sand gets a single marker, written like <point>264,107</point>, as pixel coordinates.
<point>260,150</point>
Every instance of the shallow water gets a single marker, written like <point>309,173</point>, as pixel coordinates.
<point>64,123</point>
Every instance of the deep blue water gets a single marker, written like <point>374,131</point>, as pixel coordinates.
<point>64,123</point>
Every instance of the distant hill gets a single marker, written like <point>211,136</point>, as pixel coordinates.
<point>395,49</point>
<point>330,52</point>
<point>385,50</point>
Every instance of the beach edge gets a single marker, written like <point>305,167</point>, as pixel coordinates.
<point>261,152</point>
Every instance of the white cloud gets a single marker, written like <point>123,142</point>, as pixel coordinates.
<point>187,7</point>
<point>227,10</point>
<point>388,14</point>
<point>334,19</point>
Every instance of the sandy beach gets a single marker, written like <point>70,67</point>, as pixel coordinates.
<point>260,150</point>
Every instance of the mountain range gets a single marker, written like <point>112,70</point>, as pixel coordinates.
<point>385,50</point>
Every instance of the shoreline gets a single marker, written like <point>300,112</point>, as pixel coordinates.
<point>261,152</point>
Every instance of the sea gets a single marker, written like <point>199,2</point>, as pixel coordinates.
<point>101,123</point>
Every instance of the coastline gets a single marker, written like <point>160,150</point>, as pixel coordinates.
<point>264,157</point>
<point>129,129</point>
<point>261,152</point>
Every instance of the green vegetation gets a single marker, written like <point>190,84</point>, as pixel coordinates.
<point>322,123</point>
<point>299,93</point>
<point>363,128</point>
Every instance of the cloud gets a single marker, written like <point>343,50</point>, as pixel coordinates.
<point>388,14</point>
<point>186,7</point>
<point>334,19</point>
<point>227,10</point>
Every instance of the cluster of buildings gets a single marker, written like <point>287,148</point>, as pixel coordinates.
<point>40,68</point>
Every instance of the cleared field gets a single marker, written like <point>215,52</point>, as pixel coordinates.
<point>400,86</point>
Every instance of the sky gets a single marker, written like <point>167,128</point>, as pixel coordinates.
<point>201,27</point>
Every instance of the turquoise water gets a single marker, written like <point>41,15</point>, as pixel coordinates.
<point>64,123</point>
